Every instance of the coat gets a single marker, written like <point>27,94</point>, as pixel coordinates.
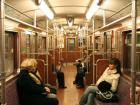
<point>112,78</point>
<point>29,92</point>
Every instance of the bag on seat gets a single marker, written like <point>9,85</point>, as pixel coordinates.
<point>104,94</point>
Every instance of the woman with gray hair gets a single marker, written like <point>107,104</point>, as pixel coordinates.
<point>30,87</point>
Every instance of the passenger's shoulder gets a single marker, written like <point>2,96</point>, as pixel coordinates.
<point>116,76</point>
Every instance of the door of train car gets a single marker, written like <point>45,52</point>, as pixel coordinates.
<point>71,50</point>
<point>127,51</point>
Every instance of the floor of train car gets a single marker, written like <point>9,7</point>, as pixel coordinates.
<point>70,95</point>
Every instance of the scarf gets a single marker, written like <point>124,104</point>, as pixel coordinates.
<point>36,77</point>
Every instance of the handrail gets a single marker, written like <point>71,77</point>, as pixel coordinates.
<point>114,22</point>
<point>120,10</point>
<point>17,10</point>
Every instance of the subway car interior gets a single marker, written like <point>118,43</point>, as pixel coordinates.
<point>70,32</point>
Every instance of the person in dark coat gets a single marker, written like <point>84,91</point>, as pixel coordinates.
<point>60,74</point>
<point>31,90</point>
<point>81,70</point>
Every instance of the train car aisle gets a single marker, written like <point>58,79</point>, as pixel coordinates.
<point>70,95</point>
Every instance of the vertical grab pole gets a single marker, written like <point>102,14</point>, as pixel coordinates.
<point>47,52</point>
<point>2,52</point>
<point>54,44</point>
<point>93,42</point>
<point>35,18</point>
<point>87,52</point>
<point>104,18</point>
<point>133,52</point>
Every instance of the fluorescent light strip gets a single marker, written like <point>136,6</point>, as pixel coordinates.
<point>93,8</point>
<point>47,11</point>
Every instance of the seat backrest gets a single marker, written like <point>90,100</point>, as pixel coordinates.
<point>51,69</point>
<point>101,65</point>
<point>12,93</point>
<point>97,56</point>
<point>41,69</point>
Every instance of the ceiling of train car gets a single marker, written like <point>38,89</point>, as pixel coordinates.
<point>70,8</point>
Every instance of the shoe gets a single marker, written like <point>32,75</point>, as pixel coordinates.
<point>74,82</point>
<point>80,86</point>
<point>62,87</point>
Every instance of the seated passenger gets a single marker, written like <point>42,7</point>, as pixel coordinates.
<point>30,87</point>
<point>110,75</point>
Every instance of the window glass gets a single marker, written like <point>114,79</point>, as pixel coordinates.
<point>28,44</point>
<point>71,44</point>
<point>9,52</point>
<point>128,47</point>
<point>41,44</point>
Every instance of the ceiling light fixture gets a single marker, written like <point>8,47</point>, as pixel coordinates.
<point>44,7</point>
<point>93,8</point>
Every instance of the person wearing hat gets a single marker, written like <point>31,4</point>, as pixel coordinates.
<point>110,75</point>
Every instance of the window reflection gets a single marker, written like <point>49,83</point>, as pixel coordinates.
<point>9,52</point>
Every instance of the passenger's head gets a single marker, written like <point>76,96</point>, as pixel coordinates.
<point>79,61</point>
<point>115,63</point>
<point>60,62</point>
<point>29,64</point>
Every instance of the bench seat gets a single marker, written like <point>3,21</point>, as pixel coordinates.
<point>11,93</point>
<point>123,92</point>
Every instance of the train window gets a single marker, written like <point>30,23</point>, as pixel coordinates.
<point>9,52</point>
<point>70,44</point>
<point>60,42</point>
<point>138,38</point>
<point>25,43</point>
<point>32,45</point>
<point>112,43</point>
<point>41,44</point>
<point>129,38</point>
<point>50,42</point>
<point>81,42</point>
<point>28,44</point>
<point>97,43</point>
<point>90,43</point>
<point>127,48</point>
<point>109,42</point>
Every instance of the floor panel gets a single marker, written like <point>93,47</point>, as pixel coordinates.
<point>70,95</point>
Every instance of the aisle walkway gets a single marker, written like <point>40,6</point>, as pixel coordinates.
<point>70,95</point>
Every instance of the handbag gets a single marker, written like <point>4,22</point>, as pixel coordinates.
<point>105,94</point>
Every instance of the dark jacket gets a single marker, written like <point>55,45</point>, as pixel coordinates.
<point>30,93</point>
